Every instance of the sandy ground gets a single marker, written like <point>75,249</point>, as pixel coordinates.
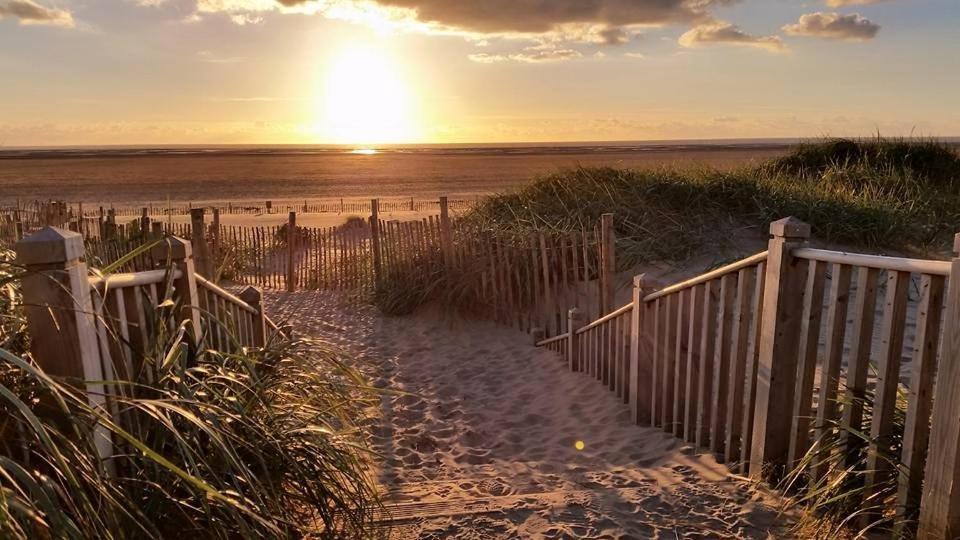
<point>482,444</point>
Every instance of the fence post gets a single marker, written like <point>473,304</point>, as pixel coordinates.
<point>215,255</point>
<point>445,237</point>
<point>60,315</point>
<point>940,502</point>
<point>198,240</point>
<point>538,335</point>
<point>608,263</point>
<point>156,229</point>
<point>575,321</point>
<point>254,297</point>
<point>144,222</point>
<point>291,252</point>
<point>779,341</point>
<point>177,253</point>
<point>641,352</point>
<point>375,238</point>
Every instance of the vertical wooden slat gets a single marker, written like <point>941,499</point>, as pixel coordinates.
<point>739,334</point>
<point>708,331</point>
<point>807,361</point>
<point>657,363</point>
<point>923,365</point>
<point>680,362</point>
<point>668,358</point>
<point>883,426</point>
<point>858,363</point>
<point>694,361</point>
<point>750,394</point>
<point>721,363</point>
<point>827,417</point>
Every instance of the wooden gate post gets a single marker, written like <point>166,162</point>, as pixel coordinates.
<point>144,222</point>
<point>576,320</point>
<point>641,352</point>
<point>375,238</point>
<point>779,341</point>
<point>446,243</point>
<point>216,255</point>
<point>608,263</point>
<point>940,503</point>
<point>254,297</point>
<point>60,315</point>
<point>198,240</point>
<point>291,252</point>
<point>177,254</point>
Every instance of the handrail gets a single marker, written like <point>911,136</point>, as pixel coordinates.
<point>897,264</point>
<point>132,279</point>
<point>703,278</point>
<point>226,295</point>
<point>553,339</point>
<point>608,317</point>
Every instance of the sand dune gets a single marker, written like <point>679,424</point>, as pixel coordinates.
<point>484,442</point>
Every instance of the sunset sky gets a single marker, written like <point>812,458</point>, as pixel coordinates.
<point>95,72</point>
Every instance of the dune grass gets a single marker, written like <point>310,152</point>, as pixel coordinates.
<point>876,193</point>
<point>262,443</point>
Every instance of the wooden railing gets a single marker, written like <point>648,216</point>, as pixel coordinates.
<point>775,357</point>
<point>97,330</point>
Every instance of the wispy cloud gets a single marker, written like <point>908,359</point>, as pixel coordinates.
<point>529,56</point>
<point>842,3</point>
<point>720,32</point>
<point>833,26</point>
<point>28,12</point>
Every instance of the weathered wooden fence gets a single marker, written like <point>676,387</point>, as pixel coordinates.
<point>96,329</point>
<point>778,356</point>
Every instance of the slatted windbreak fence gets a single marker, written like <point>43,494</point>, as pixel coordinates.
<point>777,363</point>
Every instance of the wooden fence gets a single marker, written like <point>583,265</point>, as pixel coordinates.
<point>96,329</point>
<point>779,356</point>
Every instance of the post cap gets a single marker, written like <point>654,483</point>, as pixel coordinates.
<point>50,245</point>
<point>956,244</point>
<point>790,227</point>
<point>251,295</point>
<point>575,314</point>
<point>173,248</point>
<point>196,212</point>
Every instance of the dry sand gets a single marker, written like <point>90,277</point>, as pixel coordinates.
<point>483,443</point>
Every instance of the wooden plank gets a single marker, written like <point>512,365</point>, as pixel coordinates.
<point>657,364</point>
<point>882,425</point>
<point>858,362</point>
<point>810,323</point>
<point>827,410</point>
<point>753,351</point>
<point>721,363</point>
<point>694,361</point>
<point>916,433</point>
<point>680,363</point>
<point>739,335</point>
<point>708,331</point>
<point>668,358</point>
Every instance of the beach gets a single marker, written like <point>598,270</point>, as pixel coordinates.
<point>140,176</point>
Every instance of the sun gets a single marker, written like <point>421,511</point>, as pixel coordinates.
<point>365,100</point>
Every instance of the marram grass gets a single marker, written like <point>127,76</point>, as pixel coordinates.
<point>261,444</point>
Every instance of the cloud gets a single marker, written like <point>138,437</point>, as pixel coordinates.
<point>833,26</point>
<point>528,56</point>
<point>725,33</point>
<point>28,12</point>
<point>538,16</point>
<point>842,3</point>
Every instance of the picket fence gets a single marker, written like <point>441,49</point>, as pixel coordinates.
<point>742,362</point>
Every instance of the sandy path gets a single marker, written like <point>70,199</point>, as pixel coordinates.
<point>484,445</point>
